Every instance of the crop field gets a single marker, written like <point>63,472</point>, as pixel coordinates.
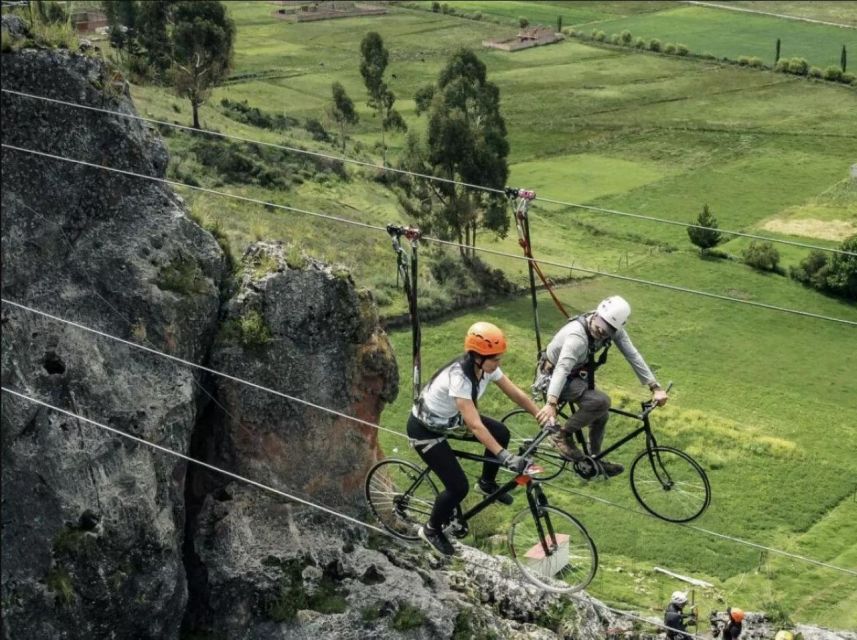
<point>763,399</point>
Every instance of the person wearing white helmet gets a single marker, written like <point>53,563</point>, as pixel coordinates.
<point>675,619</point>
<point>572,357</point>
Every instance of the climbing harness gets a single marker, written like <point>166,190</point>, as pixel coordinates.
<point>407,269</point>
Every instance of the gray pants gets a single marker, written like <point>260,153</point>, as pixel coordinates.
<point>592,411</point>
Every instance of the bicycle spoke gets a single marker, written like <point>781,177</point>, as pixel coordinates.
<point>400,497</point>
<point>670,484</point>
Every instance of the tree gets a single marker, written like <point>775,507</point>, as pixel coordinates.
<point>122,19</point>
<point>202,41</point>
<point>705,234</point>
<point>762,256</point>
<point>373,64</point>
<point>843,59</point>
<point>342,110</point>
<point>153,21</point>
<point>842,277</point>
<point>777,52</point>
<point>465,141</point>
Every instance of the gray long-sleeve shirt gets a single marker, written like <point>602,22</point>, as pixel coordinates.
<point>569,350</point>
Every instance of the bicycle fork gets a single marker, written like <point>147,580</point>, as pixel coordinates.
<point>537,501</point>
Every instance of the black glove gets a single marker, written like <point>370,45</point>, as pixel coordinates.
<point>515,463</point>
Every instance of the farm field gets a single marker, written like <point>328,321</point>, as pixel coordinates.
<point>763,399</point>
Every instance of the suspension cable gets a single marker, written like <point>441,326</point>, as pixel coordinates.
<point>201,367</point>
<point>415,174</point>
<point>435,240</point>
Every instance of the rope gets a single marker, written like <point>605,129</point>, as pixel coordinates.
<point>435,240</point>
<point>201,367</point>
<point>413,173</point>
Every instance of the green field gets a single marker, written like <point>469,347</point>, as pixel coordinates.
<point>764,400</point>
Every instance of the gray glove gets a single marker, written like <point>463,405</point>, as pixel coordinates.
<point>515,463</point>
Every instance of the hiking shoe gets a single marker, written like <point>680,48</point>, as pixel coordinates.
<point>567,449</point>
<point>437,541</point>
<point>611,468</point>
<point>487,488</point>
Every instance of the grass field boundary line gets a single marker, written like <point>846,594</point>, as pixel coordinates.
<point>412,173</point>
<point>607,274</point>
<point>194,365</point>
<point>320,507</point>
<point>715,5</point>
<point>709,532</point>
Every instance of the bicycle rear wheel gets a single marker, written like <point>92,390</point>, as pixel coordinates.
<point>670,484</point>
<point>553,550</point>
<point>399,497</point>
<point>524,428</point>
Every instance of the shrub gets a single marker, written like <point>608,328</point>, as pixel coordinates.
<point>523,22</point>
<point>408,617</point>
<point>812,270</point>
<point>444,8</point>
<point>594,33</point>
<point>798,66</point>
<point>756,62</point>
<point>762,256</point>
<point>654,44</point>
<point>626,37</point>
<point>639,43</point>
<point>615,39</point>
<point>705,235</point>
<point>476,16</point>
<point>743,61</point>
<point>848,78</point>
<point>669,48</point>
<point>815,72</point>
<point>316,130</point>
<point>435,7</point>
<point>681,49</point>
<point>252,330</point>
<point>708,56</point>
<point>833,72</point>
<point>601,36</point>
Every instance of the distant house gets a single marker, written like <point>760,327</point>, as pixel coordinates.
<point>88,21</point>
<point>526,38</point>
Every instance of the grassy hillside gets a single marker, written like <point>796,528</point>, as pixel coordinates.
<point>763,399</point>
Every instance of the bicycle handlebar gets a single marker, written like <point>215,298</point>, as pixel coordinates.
<point>651,405</point>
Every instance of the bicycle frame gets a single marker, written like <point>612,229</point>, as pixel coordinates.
<point>645,428</point>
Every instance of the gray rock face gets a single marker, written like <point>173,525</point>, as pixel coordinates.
<point>279,570</point>
<point>324,345</point>
<point>92,523</point>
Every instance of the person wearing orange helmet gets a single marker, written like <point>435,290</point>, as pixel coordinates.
<point>731,627</point>
<point>568,374</point>
<point>450,400</point>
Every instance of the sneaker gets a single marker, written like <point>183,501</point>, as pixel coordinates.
<point>611,468</point>
<point>487,488</point>
<point>438,542</point>
<point>567,449</point>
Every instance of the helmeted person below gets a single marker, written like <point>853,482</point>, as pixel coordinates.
<point>675,618</point>
<point>731,627</point>
<point>449,400</point>
<point>572,357</point>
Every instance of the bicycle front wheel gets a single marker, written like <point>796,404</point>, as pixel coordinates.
<point>400,496</point>
<point>670,484</point>
<point>553,550</point>
<point>524,428</point>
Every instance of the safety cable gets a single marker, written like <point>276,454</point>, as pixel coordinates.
<point>369,424</point>
<point>714,534</point>
<point>435,240</point>
<point>423,176</point>
<point>308,503</point>
<point>202,368</point>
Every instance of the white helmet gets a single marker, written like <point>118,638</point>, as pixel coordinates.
<point>679,598</point>
<point>615,311</point>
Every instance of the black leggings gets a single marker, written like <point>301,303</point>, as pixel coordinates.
<point>446,466</point>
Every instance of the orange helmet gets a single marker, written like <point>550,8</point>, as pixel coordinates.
<point>485,339</point>
<point>736,614</point>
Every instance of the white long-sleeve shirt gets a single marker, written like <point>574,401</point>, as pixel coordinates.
<point>569,349</point>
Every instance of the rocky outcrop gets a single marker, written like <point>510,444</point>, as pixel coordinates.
<point>93,524</point>
<point>306,331</point>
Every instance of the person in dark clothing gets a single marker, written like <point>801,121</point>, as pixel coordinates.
<point>728,629</point>
<point>674,617</point>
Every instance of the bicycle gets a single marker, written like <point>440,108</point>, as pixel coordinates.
<point>666,481</point>
<point>550,547</point>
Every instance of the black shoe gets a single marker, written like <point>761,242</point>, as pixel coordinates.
<point>438,542</point>
<point>611,468</point>
<point>487,488</point>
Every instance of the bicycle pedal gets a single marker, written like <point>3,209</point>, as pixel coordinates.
<point>586,469</point>
<point>458,530</point>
